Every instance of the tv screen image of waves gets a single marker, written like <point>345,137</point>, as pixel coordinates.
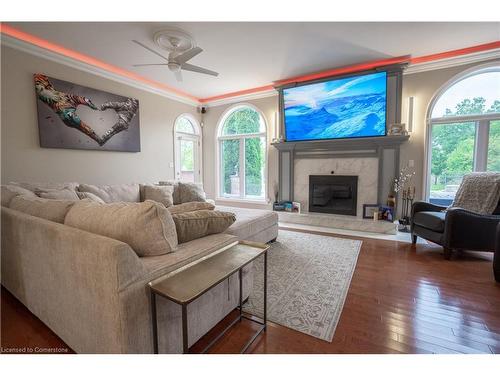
<point>340,108</point>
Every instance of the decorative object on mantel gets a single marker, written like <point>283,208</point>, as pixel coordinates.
<point>77,117</point>
<point>408,196</point>
<point>386,213</point>
<point>400,185</point>
<point>369,210</point>
<point>296,207</point>
<point>397,129</point>
<point>391,199</point>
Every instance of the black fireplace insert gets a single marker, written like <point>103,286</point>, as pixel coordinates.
<point>333,194</point>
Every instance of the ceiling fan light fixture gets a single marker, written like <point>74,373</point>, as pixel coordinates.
<point>174,39</point>
<point>173,66</point>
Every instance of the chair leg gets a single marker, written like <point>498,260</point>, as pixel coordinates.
<point>496,265</point>
<point>447,253</point>
<point>413,238</point>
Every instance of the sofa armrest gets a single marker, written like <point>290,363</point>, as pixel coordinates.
<point>419,206</point>
<point>70,279</point>
<point>425,206</point>
<point>470,231</point>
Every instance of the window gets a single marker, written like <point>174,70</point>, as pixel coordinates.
<point>242,154</point>
<point>187,149</point>
<point>464,132</point>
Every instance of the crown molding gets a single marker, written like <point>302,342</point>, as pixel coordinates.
<point>453,61</point>
<point>257,93</point>
<point>46,54</point>
<point>241,98</point>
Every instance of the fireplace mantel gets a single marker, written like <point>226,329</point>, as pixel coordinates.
<point>385,149</point>
<point>343,144</point>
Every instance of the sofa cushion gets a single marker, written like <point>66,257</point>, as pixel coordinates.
<point>11,191</point>
<point>190,206</point>
<point>147,227</point>
<point>50,209</point>
<point>160,194</point>
<point>430,220</point>
<point>62,194</point>
<point>92,197</point>
<point>33,186</point>
<point>249,221</point>
<point>191,192</point>
<point>196,224</point>
<point>186,253</point>
<point>114,193</point>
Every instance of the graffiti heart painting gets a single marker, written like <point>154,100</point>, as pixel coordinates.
<point>78,117</point>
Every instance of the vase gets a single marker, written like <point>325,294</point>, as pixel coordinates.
<point>391,200</point>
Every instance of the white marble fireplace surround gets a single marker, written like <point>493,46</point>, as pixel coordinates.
<point>365,168</point>
<point>375,160</point>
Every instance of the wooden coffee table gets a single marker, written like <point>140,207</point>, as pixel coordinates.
<point>190,282</point>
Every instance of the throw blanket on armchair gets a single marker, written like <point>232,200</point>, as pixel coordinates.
<point>479,192</point>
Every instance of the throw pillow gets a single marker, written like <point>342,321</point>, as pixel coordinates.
<point>191,192</point>
<point>11,191</point>
<point>190,206</point>
<point>176,193</point>
<point>196,224</point>
<point>114,193</point>
<point>49,209</point>
<point>92,197</point>
<point>161,194</point>
<point>61,194</point>
<point>147,226</point>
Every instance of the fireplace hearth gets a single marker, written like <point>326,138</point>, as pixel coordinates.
<point>333,194</point>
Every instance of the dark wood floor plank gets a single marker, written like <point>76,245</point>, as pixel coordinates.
<point>402,299</point>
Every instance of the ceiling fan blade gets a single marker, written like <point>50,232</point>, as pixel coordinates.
<point>188,55</point>
<point>149,49</point>
<point>198,69</point>
<point>178,76</point>
<point>149,64</point>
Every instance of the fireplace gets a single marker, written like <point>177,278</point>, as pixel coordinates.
<point>333,194</point>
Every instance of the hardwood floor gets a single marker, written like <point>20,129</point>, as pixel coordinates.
<point>402,299</point>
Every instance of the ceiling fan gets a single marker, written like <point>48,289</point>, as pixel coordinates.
<point>177,61</point>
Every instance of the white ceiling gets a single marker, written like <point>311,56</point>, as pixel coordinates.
<point>249,55</point>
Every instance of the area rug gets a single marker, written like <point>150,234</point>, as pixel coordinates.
<point>308,280</point>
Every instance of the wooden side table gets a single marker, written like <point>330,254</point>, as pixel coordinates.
<point>184,286</point>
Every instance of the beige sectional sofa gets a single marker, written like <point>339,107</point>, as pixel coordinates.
<point>92,290</point>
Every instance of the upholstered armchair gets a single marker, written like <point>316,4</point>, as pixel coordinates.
<point>454,228</point>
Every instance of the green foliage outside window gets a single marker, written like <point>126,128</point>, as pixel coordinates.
<point>453,144</point>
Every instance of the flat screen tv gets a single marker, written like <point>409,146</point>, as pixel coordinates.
<point>338,108</point>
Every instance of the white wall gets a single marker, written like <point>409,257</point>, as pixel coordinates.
<point>24,160</point>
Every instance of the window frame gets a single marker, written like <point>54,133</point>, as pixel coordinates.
<point>241,137</point>
<point>196,137</point>
<point>481,121</point>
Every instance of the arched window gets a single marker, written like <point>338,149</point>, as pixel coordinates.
<point>463,131</point>
<point>241,142</point>
<point>187,149</point>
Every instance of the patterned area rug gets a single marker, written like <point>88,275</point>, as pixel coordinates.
<point>308,280</point>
